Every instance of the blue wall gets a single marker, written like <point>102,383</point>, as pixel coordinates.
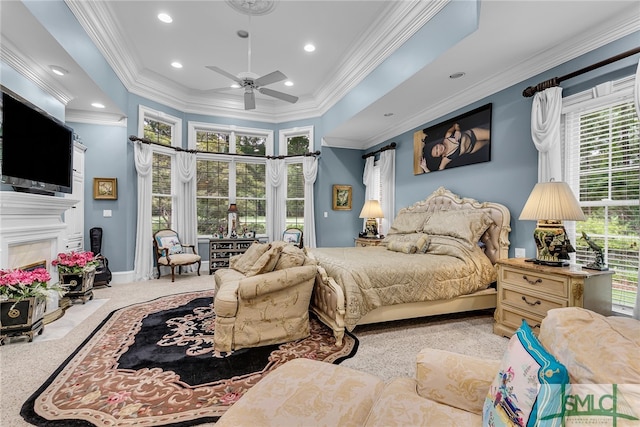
<point>507,178</point>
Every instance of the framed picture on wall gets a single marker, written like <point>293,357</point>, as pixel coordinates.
<point>342,197</point>
<point>461,141</point>
<point>105,188</point>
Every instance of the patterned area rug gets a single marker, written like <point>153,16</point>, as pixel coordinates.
<point>154,364</point>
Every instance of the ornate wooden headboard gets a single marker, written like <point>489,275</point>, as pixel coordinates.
<point>495,239</point>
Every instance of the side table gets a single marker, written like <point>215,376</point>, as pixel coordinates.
<point>527,291</point>
<point>367,241</point>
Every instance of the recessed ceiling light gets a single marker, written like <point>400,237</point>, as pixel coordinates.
<point>309,47</point>
<point>288,83</point>
<point>58,70</point>
<point>457,75</point>
<point>243,34</point>
<point>97,105</point>
<point>165,17</point>
<point>176,64</point>
<point>388,114</point>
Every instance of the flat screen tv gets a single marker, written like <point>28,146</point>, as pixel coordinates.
<point>36,148</point>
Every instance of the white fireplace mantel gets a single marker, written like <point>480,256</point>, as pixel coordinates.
<point>28,218</point>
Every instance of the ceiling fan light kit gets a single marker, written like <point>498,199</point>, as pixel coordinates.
<point>247,80</point>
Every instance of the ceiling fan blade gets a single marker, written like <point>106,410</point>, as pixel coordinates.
<point>280,95</point>
<point>267,79</point>
<point>224,73</point>
<point>249,100</point>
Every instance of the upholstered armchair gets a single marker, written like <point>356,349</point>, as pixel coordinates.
<point>264,297</point>
<point>170,252</point>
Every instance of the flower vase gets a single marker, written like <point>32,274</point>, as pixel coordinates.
<point>80,286</point>
<point>23,317</point>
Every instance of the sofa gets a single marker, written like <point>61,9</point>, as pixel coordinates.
<point>449,389</point>
<point>263,297</point>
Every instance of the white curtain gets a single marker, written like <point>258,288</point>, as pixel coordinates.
<point>310,172</point>
<point>388,185</point>
<point>143,263</point>
<point>636,100</point>
<point>369,182</point>
<point>186,215</point>
<point>545,131</point>
<point>276,205</point>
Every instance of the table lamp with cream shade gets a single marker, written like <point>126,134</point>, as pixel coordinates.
<point>550,203</point>
<point>371,211</point>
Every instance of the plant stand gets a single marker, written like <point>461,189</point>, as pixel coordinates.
<point>25,318</point>
<point>80,285</point>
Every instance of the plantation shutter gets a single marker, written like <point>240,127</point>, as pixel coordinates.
<point>602,152</point>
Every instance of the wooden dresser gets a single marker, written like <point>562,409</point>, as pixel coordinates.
<point>527,291</point>
<point>221,249</point>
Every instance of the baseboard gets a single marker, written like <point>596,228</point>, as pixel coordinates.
<point>128,276</point>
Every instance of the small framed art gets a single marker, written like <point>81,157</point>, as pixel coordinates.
<point>342,197</point>
<point>105,188</point>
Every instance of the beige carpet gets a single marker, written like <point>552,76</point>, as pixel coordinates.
<point>386,350</point>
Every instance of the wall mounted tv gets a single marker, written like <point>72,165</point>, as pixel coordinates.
<point>36,148</point>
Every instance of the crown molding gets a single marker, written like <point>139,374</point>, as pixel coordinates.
<point>95,118</point>
<point>98,22</point>
<point>518,73</point>
<point>33,71</point>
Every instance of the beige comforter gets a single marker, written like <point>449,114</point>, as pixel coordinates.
<point>372,277</point>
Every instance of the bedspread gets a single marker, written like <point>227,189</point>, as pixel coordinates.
<point>372,277</point>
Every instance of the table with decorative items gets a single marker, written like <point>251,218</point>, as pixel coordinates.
<point>367,241</point>
<point>221,249</point>
<point>527,290</point>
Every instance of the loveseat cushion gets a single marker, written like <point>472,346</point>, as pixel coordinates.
<point>306,392</point>
<point>291,256</point>
<point>454,379</point>
<point>399,405</point>
<point>244,263</point>
<point>266,263</point>
<point>594,348</point>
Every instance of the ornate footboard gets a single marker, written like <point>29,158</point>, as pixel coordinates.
<point>327,302</point>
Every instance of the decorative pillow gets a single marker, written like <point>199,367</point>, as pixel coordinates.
<point>408,243</point>
<point>409,222</point>
<point>250,256</point>
<point>529,386</point>
<point>466,225</point>
<point>266,262</point>
<point>291,256</point>
<point>171,243</point>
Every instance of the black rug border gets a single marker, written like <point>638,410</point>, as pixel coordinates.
<point>29,414</point>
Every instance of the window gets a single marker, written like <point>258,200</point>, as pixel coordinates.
<point>238,176</point>
<point>295,142</point>
<point>602,147</point>
<point>165,130</point>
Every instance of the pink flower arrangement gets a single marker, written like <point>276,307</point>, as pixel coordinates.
<point>21,284</point>
<point>74,262</point>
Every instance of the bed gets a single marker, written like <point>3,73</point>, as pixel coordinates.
<point>438,257</point>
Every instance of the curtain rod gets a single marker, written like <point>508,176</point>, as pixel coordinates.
<point>315,153</point>
<point>531,90</point>
<point>391,146</point>
<point>134,138</point>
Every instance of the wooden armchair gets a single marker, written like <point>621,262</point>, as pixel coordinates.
<point>170,252</point>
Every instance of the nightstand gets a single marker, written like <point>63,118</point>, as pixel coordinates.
<point>527,291</point>
<point>366,241</point>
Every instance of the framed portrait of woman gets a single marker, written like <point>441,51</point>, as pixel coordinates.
<point>342,197</point>
<point>461,141</point>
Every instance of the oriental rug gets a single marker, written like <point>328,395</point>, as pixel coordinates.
<point>154,364</point>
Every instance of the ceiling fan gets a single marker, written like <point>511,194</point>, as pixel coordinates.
<point>250,81</point>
